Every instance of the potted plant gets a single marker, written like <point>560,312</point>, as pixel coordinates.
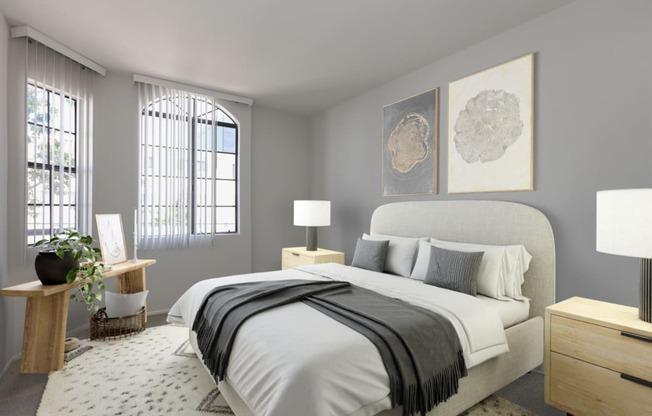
<point>69,256</point>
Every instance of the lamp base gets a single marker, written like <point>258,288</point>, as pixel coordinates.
<point>311,238</point>
<point>645,291</point>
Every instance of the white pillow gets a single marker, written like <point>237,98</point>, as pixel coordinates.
<point>519,263</point>
<point>421,264</point>
<point>124,304</point>
<point>515,262</point>
<point>400,253</point>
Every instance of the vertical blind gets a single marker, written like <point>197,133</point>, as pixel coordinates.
<point>179,165</point>
<point>58,145</point>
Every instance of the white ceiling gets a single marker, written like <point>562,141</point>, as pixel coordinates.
<point>302,56</point>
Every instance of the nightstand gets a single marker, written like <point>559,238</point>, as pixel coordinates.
<point>598,359</point>
<point>298,256</point>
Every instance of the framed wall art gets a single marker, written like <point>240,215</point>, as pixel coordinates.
<point>410,130</point>
<point>490,129</point>
<point>112,239</point>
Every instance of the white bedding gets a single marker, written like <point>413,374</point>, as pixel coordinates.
<point>511,311</point>
<point>296,360</point>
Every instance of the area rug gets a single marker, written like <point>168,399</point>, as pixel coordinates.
<point>497,406</point>
<point>151,373</point>
<point>157,373</point>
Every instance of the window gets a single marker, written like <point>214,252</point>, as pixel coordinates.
<point>189,168</point>
<point>51,162</point>
<point>52,142</point>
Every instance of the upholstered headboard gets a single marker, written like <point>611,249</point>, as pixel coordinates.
<point>483,222</point>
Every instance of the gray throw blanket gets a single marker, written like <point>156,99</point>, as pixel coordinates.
<point>419,348</point>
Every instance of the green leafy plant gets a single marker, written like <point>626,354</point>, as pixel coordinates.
<point>90,271</point>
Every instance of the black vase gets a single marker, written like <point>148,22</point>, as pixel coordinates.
<point>52,270</point>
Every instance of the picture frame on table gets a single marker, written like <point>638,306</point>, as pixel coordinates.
<point>111,237</point>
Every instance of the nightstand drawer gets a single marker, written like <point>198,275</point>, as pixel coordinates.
<point>291,259</point>
<point>586,389</point>
<point>603,346</point>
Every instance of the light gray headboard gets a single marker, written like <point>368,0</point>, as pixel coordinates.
<point>483,222</point>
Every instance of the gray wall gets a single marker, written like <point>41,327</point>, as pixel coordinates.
<point>280,170</point>
<point>4,54</point>
<point>593,127</point>
<point>115,186</point>
<point>273,140</point>
<point>593,131</point>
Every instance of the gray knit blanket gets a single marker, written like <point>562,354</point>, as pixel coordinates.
<point>420,349</point>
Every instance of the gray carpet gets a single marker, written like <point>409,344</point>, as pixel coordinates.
<point>20,394</point>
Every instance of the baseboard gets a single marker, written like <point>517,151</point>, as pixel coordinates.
<point>16,357</point>
<point>158,312</point>
<point>79,332</point>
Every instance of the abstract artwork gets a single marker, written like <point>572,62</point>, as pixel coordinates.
<point>410,129</point>
<point>112,239</point>
<point>490,125</point>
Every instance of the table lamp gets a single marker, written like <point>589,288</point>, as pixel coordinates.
<point>312,214</point>
<point>624,227</point>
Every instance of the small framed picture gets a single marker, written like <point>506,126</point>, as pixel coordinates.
<point>112,239</point>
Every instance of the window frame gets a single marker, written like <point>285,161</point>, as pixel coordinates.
<point>50,166</point>
<point>193,149</point>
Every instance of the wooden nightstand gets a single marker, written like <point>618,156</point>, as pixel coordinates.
<point>598,359</point>
<point>298,256</point>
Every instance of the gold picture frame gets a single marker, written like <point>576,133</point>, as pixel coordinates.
<point>491,129</point>
<point>111,237</point>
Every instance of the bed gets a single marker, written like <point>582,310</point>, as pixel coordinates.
<point>482,222</point>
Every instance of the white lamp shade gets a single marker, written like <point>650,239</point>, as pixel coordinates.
<point>312,213</point>
<point>624,222</point>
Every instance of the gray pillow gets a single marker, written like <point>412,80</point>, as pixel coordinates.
<point>454,270</point>
<point>370,254</point>
<point>400,252</point>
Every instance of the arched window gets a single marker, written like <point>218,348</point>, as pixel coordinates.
<point>188,167</point>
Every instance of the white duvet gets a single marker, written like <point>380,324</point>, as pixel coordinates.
<point>294,360</point>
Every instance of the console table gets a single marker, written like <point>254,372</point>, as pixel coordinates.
<point>46,314</point>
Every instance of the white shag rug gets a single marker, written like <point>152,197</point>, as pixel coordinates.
<point>151,373</point>
<point>157,373</point>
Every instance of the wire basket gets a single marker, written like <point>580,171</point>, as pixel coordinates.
<point>105,328</point>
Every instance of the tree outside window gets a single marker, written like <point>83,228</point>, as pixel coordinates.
<point>51,162</point>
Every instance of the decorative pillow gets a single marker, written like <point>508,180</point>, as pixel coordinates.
<point>454,270</point>
<point>401,253</point>
<point>493,269</point>
<point>124,304</point>
<point>370,255</point>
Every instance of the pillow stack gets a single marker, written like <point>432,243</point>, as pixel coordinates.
<point>401,252</point>
<point>491,270</point>
<point>501,271</point>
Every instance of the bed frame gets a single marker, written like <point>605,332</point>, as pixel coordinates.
<point>482,222</point>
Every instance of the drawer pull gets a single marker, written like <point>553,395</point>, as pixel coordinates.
<point>297,254</point>
<point>636,380</point>
<point>636,336</point>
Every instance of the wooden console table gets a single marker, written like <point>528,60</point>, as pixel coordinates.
<point>46,314</point>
